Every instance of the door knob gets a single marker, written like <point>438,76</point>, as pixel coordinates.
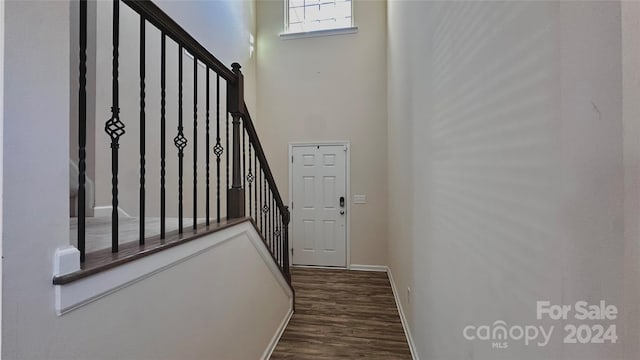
<point>341,212</point>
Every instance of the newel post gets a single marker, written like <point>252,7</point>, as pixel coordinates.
<point>235,104</point>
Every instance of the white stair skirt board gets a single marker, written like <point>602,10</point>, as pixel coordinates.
<point>276,337</point>
<point>403,319</point>
<point>73,295</point>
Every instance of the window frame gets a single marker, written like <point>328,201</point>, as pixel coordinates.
<point>287,34</point>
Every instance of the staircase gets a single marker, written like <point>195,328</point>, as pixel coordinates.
<point>231,176</point>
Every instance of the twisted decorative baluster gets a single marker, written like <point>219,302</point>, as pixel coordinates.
<point>115,128</point>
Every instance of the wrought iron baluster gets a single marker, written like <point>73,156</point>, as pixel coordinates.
<point>82,129</point>
<point>255,198</point>
<point>195,142</point>
<point>282,249</point>
<point>249,179</point>
<point>274,216</point>
<point>142,127</point>
<point>265,209</point>
<point>217,149</point>
<point>227,158</point>
<point>271,223</point>
<point>207,152</point>
<point>268,218</point>
<point>180,141</point>
<point>271,229</point>
<point>115,128</point>
<point>267,194</point>
<point>275,232</point>
<point>163,135</point>
<point>260,212</point>
<point>244,165</point>
<point>285,238</point>
<point>279,237</point>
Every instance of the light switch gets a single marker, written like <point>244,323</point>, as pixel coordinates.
<point>359,199</point>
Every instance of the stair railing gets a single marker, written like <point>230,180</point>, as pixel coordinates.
<point>269,212</point>
<point>252,191</point>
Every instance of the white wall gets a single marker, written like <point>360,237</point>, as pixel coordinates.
<point>329,88</point>
<point>631,141</point>
<point>400,154</point>
<point>223,28</point>
<point>194,310</point>
<point>1,149</point>
<point>505,141</point>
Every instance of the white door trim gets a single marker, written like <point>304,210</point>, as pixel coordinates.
<point>2,22</point>
<point>348,187</point>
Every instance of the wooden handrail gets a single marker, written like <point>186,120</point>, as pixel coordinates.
<point>152,13</point>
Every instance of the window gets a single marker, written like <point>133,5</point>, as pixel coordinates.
<point>315,15</point>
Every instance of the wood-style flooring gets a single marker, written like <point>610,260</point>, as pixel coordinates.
<point>342,314</point>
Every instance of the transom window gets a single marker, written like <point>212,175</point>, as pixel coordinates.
<point>314,15</point>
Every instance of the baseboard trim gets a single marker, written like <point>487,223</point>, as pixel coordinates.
<point>276,337</point>
<point>358,267</point>
<point>403,318</point>
<point>319,267</point>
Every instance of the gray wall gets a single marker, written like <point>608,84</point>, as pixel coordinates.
<point>506,181</point>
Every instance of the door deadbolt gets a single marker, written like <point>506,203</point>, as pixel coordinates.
<point>341,201</point>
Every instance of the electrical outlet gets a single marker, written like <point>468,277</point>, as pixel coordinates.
<point>409,294</point>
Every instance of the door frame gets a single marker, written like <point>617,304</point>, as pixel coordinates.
<point>347,155</point>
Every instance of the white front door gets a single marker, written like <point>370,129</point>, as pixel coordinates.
<point>319,205</point>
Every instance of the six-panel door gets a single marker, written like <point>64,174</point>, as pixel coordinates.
<point>319,205</point>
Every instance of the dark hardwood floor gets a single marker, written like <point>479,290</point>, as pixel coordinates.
<point>342,314</point>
